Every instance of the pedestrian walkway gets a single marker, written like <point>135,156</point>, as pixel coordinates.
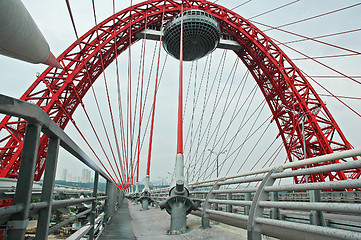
<point>120,226</point>
<point>154,223</point>
<point>130,223</point>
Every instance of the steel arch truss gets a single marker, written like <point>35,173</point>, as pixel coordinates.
<point>60,91</point>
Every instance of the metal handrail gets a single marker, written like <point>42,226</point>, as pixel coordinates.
<point>309,161</point>
<point>17,216</point>
<point>32,112</point>
<point>258,209</point>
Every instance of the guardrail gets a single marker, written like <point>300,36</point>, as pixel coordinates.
<point>16,217</point>
<point>263,205</point>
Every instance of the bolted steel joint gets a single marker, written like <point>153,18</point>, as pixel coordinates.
<point>145,199</point>
<point>179,189</point>
<point>178,205</point>
<point>188,204</point>
<point>179,186</point>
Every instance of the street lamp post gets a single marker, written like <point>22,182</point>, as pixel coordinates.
<point>217,155</point>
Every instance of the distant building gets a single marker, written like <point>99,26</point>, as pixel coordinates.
<point>85,177</point>
<point>69,177</point>
<point>63,175</point>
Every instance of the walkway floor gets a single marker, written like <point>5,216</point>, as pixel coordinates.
<point>154,223</point>
<point>131,223</point>
<point>120,227</point>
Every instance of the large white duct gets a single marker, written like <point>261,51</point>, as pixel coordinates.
<point>20,37</point>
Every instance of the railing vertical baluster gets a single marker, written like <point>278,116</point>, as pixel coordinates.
<point>229,207</point>
<point>275,212</point>
<point>110,202</point>
<point>47,190</point>
<point>94,205</point>
<point>207,205</point>
<point>316,217</point>
<point>120,197</point>
<point>247,197</point>
<point>19,221</point>
<point>253,228</point>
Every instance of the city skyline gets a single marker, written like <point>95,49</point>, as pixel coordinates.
<point>86,176</point>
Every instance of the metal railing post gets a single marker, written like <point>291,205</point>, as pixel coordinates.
<point>207,205</point>
<point>254,228</point>
<point>16,227</point>
<point>247,197</point>
<point>229,207</point>
<point>110,202</point>
<point>316,217</point>
<point>275,212</point>
<point>94,205</point>
<point>42,228</point>
<point>119,197</point>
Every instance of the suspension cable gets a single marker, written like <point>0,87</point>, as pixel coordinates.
<point>249,134</point>
<point>215,131</point>
<point>338,96</point>
<point>95,132</point>
<point>154,99</point>
<point>219,69</point>
<point>130,90</point>
<point>216,99</point>
<point>209,57</point>
<point>325,36</point>
<point>141,96</point>
<point>329,92</point>
<point>81,52</point>
<point>91,148</point>
<point>241,125</point>
<point>180,94</point>
<point>308,38</point>
<point>195,101</point>
<point>274,9</point>
<point>327,57</point>
<point>120,109</point>
<point>107,92</point>
<point>188,89</point>
<point>313,17</point>
<point>240,5</point>
<point>150,112</point>
<point>232,118</point>
<point>254,147</point>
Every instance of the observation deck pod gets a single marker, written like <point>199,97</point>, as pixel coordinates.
<point>201,35</point>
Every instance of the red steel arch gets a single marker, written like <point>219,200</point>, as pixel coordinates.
<point>60,91</point>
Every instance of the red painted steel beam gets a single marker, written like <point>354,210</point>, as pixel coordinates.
<point>280,81</point>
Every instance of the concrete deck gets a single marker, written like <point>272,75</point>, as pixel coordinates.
<point>129,223</point>
<point>154,223</point>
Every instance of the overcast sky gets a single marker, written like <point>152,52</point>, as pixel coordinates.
<point>53,20</point>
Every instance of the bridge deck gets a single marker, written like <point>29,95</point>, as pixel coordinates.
<point>154,223</point>
<point>120,226</point>
<point>130,222</point>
